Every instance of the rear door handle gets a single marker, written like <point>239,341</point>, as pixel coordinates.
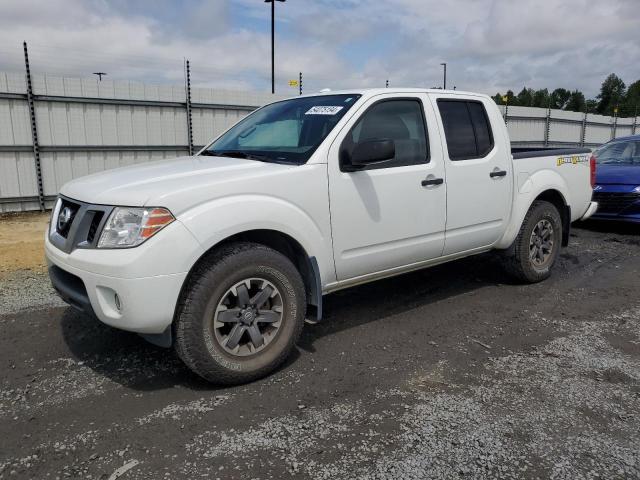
<point>432,181</point>
<point>498,173</point>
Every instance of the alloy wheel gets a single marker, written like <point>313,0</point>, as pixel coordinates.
<point>248,317</point>
<point>541,243</point>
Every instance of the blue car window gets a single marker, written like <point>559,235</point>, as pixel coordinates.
<point>623,153</point>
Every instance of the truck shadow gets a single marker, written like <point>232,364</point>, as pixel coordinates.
<point>394,296</point>
<point>127,359</point>
<point>124,357</point>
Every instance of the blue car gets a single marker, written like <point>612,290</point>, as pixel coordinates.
<point>617,185</point>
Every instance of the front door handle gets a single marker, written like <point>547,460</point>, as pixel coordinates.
<point>432,181</point>
<point>498,173</point>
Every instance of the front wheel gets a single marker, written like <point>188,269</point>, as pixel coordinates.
<point>241,314</point>
<point>536,248</point>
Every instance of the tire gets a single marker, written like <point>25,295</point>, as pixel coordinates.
<point>205,338</point>
<point>517,258</point>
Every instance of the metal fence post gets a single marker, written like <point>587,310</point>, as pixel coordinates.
<point>635,121</point>
<point>34,129</point>
<point>583,132</point>
<point>614,127</point>
<point>300,83</point>
<point>188,103</point>
<point>547,127</point>
<point>506,112</point>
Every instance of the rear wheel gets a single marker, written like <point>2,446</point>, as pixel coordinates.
<point>536,248</point>
<point>241,314</point>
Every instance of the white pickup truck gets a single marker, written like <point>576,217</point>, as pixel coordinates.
<point>225,254</point>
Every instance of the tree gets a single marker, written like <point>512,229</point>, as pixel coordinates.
<point>591,106</point>
<point>541,98</point>
<point>612,94</point>
<point>525,97</point>
<point>632,99</point>
<point>576,102</point>
<point>559,98</point>
<point>499,98</point>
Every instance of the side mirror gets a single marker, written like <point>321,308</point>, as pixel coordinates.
<point>373,151</point>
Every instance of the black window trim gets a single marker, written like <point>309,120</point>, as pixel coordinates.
<point>475,136</point>
<point>382,165</point>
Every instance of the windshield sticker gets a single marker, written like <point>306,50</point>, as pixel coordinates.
<point>323,110</point>
<point>573,159</point>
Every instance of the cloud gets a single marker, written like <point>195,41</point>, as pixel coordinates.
<point>489,45</point>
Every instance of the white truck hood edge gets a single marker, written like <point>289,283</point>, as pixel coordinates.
<point>144,184</point>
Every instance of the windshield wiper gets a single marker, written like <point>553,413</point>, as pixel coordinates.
<point>208,153</point>
<point>239,154</point>
<point>249,156</point>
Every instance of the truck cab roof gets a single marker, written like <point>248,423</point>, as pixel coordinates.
<point>370,92</point>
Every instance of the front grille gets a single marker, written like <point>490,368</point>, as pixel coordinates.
<point>66,216</point>
<point>78,226</point>
<point>612,202</point>
<point>93,228</point>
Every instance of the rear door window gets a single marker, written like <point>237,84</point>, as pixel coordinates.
<point>480,122</point>
<point>466,128</point>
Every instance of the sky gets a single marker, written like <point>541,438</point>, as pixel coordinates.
<point>488,45</point>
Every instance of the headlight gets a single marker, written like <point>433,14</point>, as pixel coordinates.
<point>129,227</point>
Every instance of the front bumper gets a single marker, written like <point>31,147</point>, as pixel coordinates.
<point>130,289</point>
<point>631,218</point>
<point>617,202</point>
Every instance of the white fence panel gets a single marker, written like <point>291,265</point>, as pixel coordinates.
<point>565,127</point>
<point>624,127</point>
<point>599,128</point>
<point>18,179</point>
<point>525,130</point>
<point>15,128</point>
<point>86,126</point>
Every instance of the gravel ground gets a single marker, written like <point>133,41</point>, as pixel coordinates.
<point>450,372</point>
<point>14,287</point>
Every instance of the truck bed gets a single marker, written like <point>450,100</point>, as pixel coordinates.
<point>533,165</point>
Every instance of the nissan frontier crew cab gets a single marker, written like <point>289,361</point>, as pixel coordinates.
<point>225,254</point>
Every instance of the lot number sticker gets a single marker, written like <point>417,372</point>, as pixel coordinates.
<point>323,110</point>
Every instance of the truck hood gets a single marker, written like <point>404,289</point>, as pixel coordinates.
<point>159,183</point>
<point>618,174</point>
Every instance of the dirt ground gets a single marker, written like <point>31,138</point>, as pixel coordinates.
<point>450,372</point>
<point>22,241</point>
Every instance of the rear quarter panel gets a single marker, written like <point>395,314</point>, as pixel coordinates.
<point>567,174</point>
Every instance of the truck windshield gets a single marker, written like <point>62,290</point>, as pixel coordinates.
<point>284,132</point>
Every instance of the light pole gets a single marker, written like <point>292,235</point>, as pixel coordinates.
<point>273,67</point>
<point>99,74</point>
<point>444,86</point>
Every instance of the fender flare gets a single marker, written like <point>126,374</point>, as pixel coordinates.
<point>541,183</point>
<point>284,218</point>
